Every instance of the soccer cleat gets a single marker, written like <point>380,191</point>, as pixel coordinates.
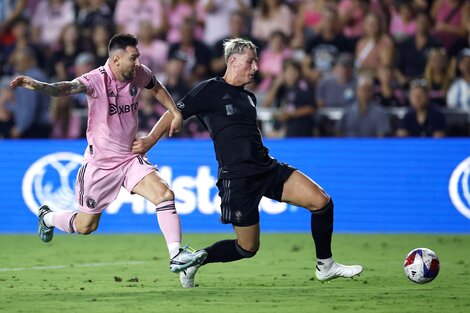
<point>337,270</point>
<point>186,258</point>
<point>187,276</point>
<point>44,232</point>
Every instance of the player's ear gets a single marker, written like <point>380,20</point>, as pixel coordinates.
<point>115,59</point>
<point>232,60</point>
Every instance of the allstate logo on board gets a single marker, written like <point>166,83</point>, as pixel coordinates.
<point>51,180</point>
<point>459,188</point>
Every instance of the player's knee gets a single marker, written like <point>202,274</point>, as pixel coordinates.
<point>323,206</point>
<point>86,229</point>
<point>165,194</point>
<point>248,250</point>
<point>318,202</point>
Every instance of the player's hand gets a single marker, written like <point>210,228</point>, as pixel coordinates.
<point>23,81</point>
<point>141,145</point>
<point>176,124</point>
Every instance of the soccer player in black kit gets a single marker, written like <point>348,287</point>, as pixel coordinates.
<point>246,171</point>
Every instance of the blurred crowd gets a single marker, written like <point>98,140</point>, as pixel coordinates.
<point>352,68</point>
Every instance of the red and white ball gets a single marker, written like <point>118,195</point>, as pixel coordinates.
<point>421,265</point>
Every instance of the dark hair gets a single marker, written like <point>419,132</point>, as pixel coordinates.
<point>292,62</point>
<point>121,41</point>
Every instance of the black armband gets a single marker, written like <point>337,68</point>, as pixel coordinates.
<point>152,82</point>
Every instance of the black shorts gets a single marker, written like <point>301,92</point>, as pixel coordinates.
<point>241,196</point>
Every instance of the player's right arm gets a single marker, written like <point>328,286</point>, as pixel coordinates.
<point>58,89</point>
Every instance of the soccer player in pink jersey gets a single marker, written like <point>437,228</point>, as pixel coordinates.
<point>114,157</point>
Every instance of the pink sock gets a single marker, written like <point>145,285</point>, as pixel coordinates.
<point>169,221</point>
<point>65,221</point>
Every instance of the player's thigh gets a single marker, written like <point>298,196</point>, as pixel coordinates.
<point>300,190</point>
<point>154,188</point>
<point>86,223</point>
<point>96,188</point>
<point>248,237</point>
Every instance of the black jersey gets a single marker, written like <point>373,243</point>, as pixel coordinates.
<point>229,114</point>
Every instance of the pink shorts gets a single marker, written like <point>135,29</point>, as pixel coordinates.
<point>96,188</point>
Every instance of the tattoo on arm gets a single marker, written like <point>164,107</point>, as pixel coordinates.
<point>64,88</point>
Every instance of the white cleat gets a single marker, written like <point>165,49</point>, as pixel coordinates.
<point>187,276</point>
<point>186,258</point>
<point>337,270</point>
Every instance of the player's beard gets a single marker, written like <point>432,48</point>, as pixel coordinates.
<point>129,75</point>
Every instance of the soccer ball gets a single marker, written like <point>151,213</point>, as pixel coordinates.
<point>421,265</point>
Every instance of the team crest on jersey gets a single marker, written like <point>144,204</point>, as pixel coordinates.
<point>91,203</point>
<point>238,215</point>
<point>132,90</point>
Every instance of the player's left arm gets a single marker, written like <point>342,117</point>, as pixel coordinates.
<point>171,122</point>
<point>163,96</point>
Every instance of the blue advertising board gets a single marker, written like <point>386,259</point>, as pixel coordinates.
<point>379,186</point>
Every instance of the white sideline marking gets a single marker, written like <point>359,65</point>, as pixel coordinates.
<point>6,269</point>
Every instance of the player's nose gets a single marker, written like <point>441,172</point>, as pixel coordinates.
<point>137,62</point>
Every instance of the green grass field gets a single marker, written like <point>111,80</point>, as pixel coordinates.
<point>129,273</point>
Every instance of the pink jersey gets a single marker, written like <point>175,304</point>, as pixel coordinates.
<point>112,115</point>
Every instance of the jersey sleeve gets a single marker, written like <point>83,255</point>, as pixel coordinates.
<point>195,101</point>
<point>90,81</point>
<point>145,78</point>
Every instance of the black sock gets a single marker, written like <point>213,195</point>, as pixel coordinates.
<point>322,229</point>
<point>226,251</point>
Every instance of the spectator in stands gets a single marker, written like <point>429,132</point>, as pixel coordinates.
<point>271,59</point>
<point>365,117</point>
<point>177,87</point>
<point>421,5</point>
<point>375,48</point>
<point>388,91</point>
<point>412,52</point>
<point>217,20</point>
<point>308,19</point>
<point>129,15</point>
<point>70,45</point>
<point>10,11</point>
<point>352,14</point>
<point>100,37</point>
<point>50,18</point>
<point>196,53</point>
<point>338,89</point>
<point>148,115</point>
<point>293,97</point>
<point>422,119</point>
<point>65,124</point>
<point>269,16</point>
<point>402,21</point>
<point>97,12</point>
<point>458,95</point>
<point>238,29</point>
<point>84,63</point>
<point>463,42</point>
<point>31,109</point>
<point>439,74</point>
<point>6,104</point>
<point>450,17</point>
<point>20,29</point>
<point>153,51</point>
<point>323,49</point>
<point>178,12</point>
